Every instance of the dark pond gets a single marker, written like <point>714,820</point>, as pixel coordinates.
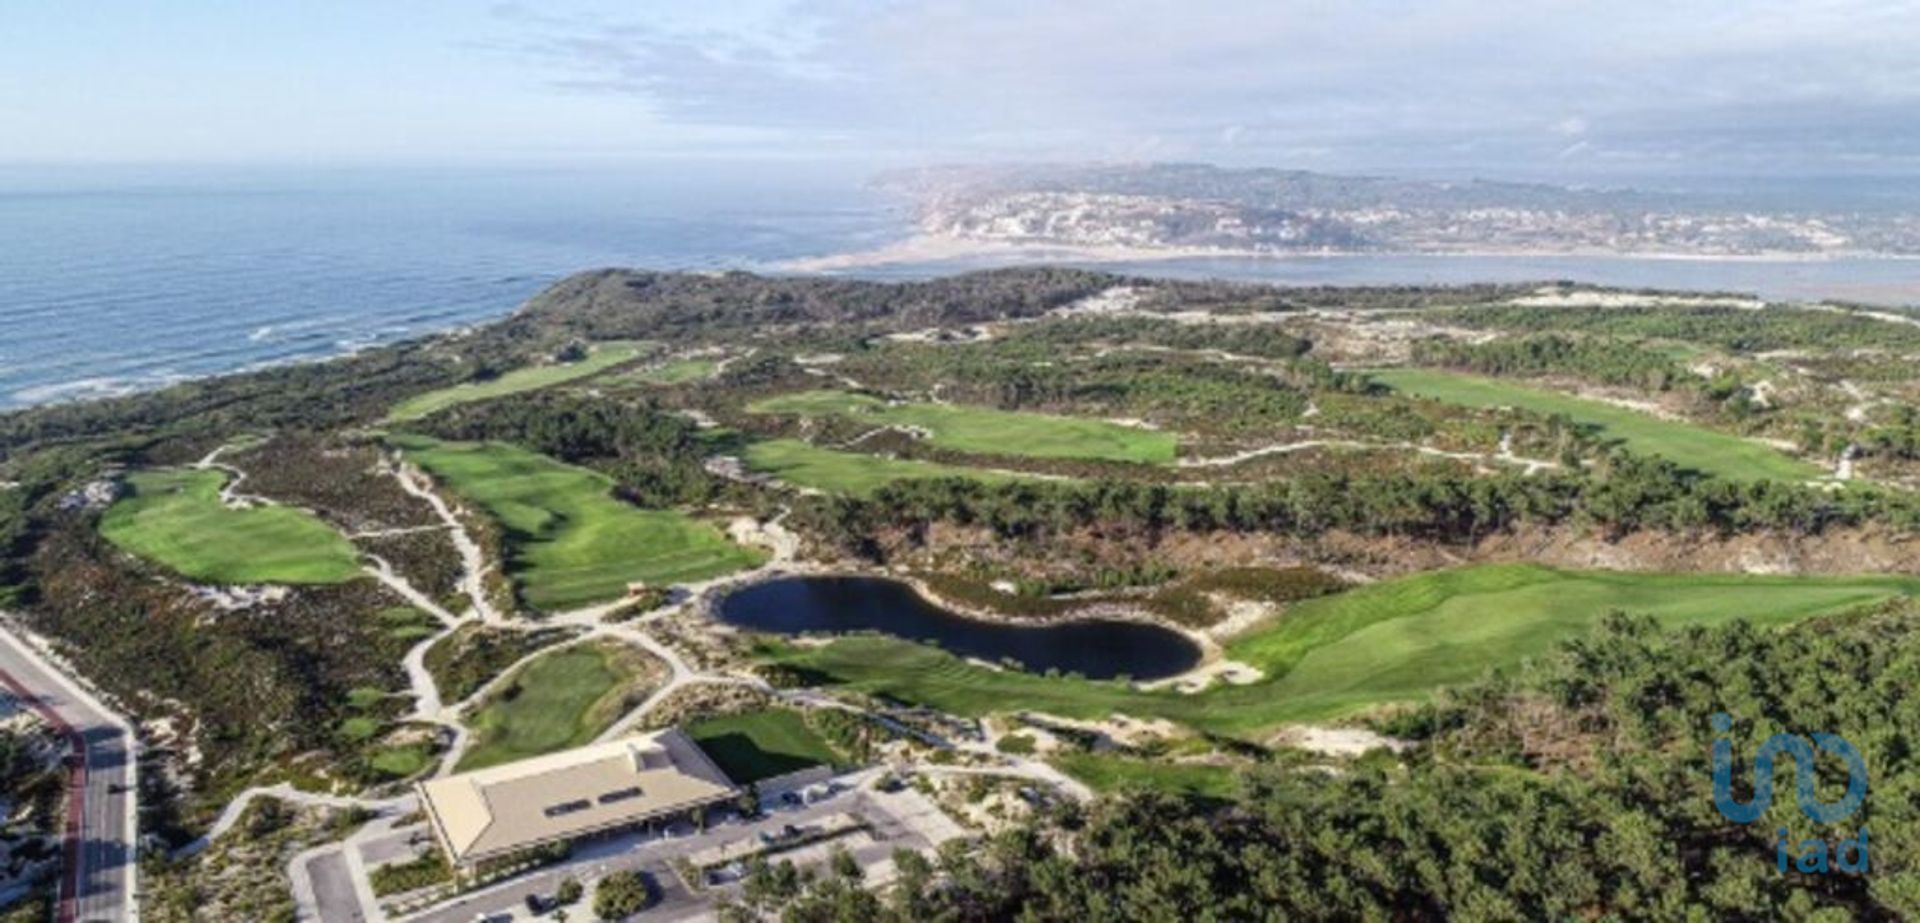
<point>1097,649</point>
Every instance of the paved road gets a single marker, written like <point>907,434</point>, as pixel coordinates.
<point>101,877</point>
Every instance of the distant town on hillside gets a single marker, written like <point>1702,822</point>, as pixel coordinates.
<point>1198,207</point>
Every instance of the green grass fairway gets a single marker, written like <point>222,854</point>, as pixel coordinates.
<point>987,432</point>
<point>602,357</point>
<point>1399,640</point>
<point>175,518</point>
<point>1394,641</point>
<point>559,700</point>
<point>808,465</point>
<point>1694,447</point>
<point>570,542</point>
<point>759,745</point>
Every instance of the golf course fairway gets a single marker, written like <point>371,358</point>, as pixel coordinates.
<point>176,518</point>
<point>570,542</point>
<point>985,431</point>
<point>1690,446</point>
<point>1394,641</point>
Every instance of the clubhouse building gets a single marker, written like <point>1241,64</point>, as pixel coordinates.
<point>602,788</point>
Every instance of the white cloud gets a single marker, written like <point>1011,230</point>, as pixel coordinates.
<point>1367,81</point>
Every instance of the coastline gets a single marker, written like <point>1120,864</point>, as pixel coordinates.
<point>923,256</point>
<point>922,247</point>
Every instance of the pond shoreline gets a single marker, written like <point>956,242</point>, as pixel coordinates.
<point>1064,643</point>
<point>1105,611</point>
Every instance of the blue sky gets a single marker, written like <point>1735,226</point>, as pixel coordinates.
<point>1548,86</point>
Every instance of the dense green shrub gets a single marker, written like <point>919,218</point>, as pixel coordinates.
<point>622,894</point>
<point>430,868</point>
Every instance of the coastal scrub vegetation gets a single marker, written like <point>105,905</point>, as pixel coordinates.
<point>1575,788</point>
<point>1605,360</point>
<point>678,371</point>
<point>654,458</point>
<point>986,431</point>
<point>1201,446</point>
<point>471,656</point>
<point>258,689</point>
<point>1689,445</point>
<point>1736,329</point>
<point>1626,495</point>
<point>1202,393</point>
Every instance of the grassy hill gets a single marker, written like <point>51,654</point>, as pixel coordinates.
<point>175,518</point>
<point>570,542</point>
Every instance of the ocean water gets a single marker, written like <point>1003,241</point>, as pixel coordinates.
<point>117,279</point>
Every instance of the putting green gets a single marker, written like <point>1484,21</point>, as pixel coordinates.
<point>757,745</point>
<point>808,465</point>
<point>559,700</point>
<point>570,542</point>
<point>1394,641</point>
<point>601,357</point>
<point>984,431</point>
<point>1690,446</point>
<point>175,518</point>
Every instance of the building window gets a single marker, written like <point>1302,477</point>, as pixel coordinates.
<point>620,795</point>
<point>569,807</point>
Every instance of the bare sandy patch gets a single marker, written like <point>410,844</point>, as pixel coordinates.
<point>1552,297</point>
<point>1200,678</point>
<point>1121,730</point>
<point>1332,741</point>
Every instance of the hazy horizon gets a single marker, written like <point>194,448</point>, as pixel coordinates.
<point>1553,91</point>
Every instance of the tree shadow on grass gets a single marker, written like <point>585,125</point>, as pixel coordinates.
<point>745,761</point>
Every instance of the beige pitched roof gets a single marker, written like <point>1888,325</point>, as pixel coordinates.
<point>513,806</point>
